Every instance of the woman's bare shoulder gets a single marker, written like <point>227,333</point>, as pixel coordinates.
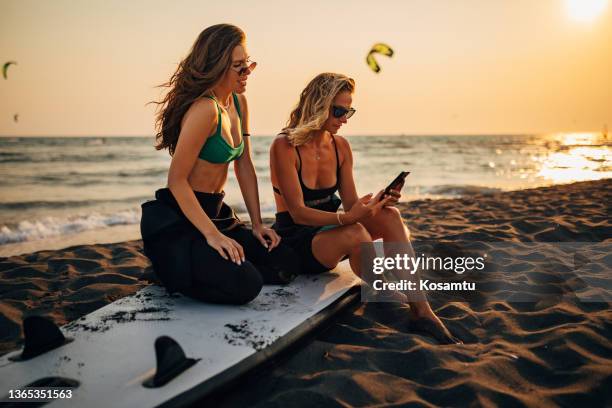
<point>201,111</point>
<point>281,141</point>
<point>281,145</point>
<point>344,147</point>
<point>342,142</point>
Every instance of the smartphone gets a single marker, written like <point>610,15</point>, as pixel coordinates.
<point>396,184</point>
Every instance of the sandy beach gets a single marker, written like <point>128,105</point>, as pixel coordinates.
<point>554,353</point>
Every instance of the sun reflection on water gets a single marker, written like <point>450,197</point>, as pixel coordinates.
<point>576,157</point>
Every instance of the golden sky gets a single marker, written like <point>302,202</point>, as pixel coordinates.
<point>460,66</point>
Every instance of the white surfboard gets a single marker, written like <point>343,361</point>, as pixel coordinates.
<point>112,350</point>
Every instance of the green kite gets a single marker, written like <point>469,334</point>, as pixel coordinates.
<point>5,68</point>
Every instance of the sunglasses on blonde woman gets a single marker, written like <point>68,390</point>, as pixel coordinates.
<point>242,67</point>
<point>340,111</point>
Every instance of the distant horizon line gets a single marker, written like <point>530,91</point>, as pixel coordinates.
<point>348,135</point>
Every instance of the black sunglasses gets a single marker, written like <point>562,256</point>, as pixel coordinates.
<point>340,111</point>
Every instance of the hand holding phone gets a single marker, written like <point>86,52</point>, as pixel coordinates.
<point>396,184</point>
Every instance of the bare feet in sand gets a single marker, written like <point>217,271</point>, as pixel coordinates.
<point>423,319</point>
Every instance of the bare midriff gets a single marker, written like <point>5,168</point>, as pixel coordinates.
<point>208,177</point>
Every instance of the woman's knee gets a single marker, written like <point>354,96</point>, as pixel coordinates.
<point>247,283</point>
<point>390,219</point>
<point>391,215</point>
<point>355,234</point>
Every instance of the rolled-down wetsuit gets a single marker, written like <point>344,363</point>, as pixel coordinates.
<point>185,263</point>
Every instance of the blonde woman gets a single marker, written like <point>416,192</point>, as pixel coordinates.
<point>309,163</point>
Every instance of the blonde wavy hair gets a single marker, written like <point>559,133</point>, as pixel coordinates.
<point>312,110</point>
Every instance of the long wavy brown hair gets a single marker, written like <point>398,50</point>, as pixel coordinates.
<point>207,62</point>
<point>312,110</point>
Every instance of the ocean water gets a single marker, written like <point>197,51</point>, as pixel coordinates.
<point>56,192</point>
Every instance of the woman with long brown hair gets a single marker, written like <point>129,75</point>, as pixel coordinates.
<point>309,163</point>
<point>196,243</point>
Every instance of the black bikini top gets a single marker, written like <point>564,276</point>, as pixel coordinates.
<point>313,197</point>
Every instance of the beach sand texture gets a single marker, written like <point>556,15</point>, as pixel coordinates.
<point>552,353</point>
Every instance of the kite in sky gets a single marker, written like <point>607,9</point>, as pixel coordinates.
<point>5,68</point>
<point>379,48</point>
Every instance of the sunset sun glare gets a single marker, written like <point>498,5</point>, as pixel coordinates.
<point>585,10</point>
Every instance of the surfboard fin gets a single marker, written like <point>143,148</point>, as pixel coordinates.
<point>40,336</point>
<point>171,361</point>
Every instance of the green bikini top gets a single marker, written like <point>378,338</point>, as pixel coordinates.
<point>216,149</point>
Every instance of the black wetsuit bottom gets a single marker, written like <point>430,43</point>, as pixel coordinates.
<point>185,263</point>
